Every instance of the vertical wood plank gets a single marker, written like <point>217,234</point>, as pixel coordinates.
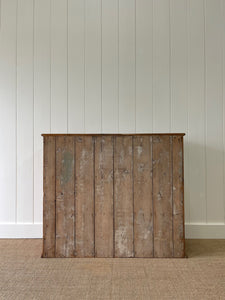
<point>25,116</point>
<point>178,197</point>
<point>8,112</point>
<point>127,66</point>
<point>214,112</point>
<point>144,65</point>
<point>49,198</point>
<point>196,113</point>
<point>109,66</point>
<point>93,99</point>
<point>162,196</point>
<point>65,196</point>
<point>104,196</point>
<point>76,15</point>
<point>123,196</point>
<point>59,105</point>
<point>143,209</point>
<point>161,65</point>
<point>84,196</point>
<point>41,95</point>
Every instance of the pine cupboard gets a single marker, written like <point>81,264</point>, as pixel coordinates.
<point>113,195</point>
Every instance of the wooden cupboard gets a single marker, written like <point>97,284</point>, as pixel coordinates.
<point>113,195</point>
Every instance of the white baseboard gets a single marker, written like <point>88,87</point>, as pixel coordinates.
<point>20,231</point>
<point>192,231</point>
<point>205,231</point>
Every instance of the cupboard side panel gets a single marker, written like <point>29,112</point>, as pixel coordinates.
<point>178,197</point>
<point>49,198</point>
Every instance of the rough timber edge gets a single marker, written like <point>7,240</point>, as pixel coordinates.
<point>109,134</point>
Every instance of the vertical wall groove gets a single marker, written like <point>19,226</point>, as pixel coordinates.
<point>222,77</point>
<point>118,50</point>
<point>101,65</point>
<point>67,64</point>
<point>16,109</point>
<point>205,109</point>
<point>170,70</point>
<point>135,66</point>
<point>33,99</point>
<point>84,63</point>
<point>188,102</point>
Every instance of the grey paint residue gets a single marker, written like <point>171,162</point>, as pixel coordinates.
<point>67,169</point>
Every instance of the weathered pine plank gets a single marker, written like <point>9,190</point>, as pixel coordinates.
<point>123,196</point>
<point>104,196</point>
<point>143,210</point>
<point>178,197</point>
<point>162,196</point>
<point>49,198</point>
<point>84,194</point>
<point>64,196</point>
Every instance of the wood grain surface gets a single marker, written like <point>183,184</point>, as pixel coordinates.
<point>64,196</point>
<point>162,196</point>
<point>104,196</point>
<point>178,198</point>
<point>143,208</point>
<point>84,194</point>
<point>113,196</point>
<point>49,198</point>
<point>123,196</point>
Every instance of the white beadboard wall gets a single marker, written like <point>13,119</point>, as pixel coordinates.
<point>79,66</point>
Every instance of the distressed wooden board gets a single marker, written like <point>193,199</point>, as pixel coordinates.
<point>162,196</point>
<point>64,197</point>
<point>104,196</point>
<point>113,196</point>
<point>123,196</point>
<point>178,197</point>
<point>84,194</point>
<point>49,198</point>
<point>143,208</point>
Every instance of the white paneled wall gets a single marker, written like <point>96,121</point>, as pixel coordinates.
<point>109,66</point>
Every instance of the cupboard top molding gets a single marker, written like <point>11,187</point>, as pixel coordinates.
<point>110,134</point>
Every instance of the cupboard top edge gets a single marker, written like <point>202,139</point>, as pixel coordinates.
<point>109,134</point>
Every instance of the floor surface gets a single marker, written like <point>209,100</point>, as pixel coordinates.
<point>25,275</point>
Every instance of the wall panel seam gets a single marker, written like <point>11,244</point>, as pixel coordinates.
<point>135,66</point>
<point>16,100</point>
<point>118,62</point>
<point>170,69</point>
<point>223,112</point>
<point>67,64</point>
<point>205,111</point>
<point>84,64</point>
<point>33,101</point>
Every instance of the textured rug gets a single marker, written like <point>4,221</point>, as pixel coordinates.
<point>25,275</point>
